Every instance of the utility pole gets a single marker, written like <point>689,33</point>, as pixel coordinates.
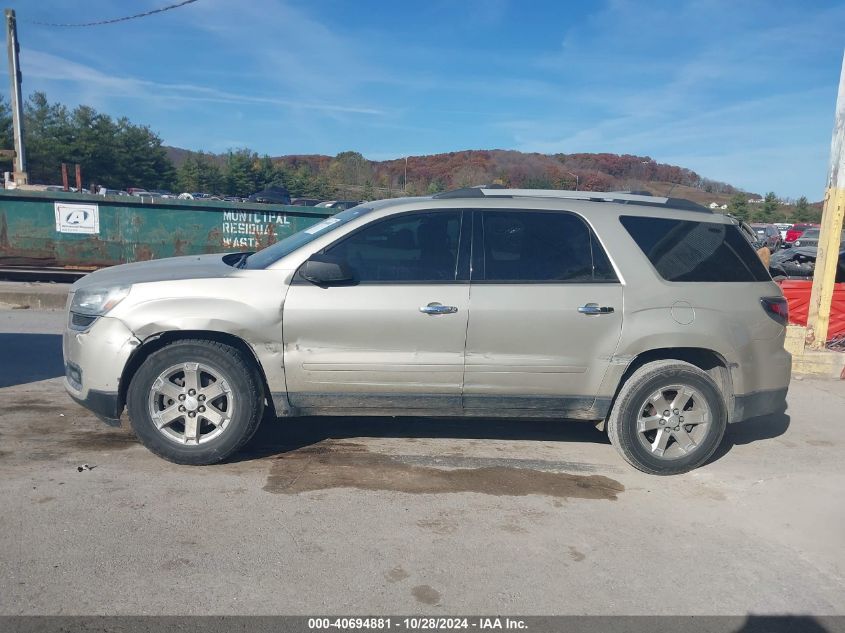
<point>13,49</point>
<point>576,179</point>
<point>827,256</point>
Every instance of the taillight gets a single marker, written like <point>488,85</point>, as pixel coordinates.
<point>777,308</point>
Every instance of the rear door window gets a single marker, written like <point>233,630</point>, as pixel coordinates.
<point>683,250</point>
<point>540,247</point>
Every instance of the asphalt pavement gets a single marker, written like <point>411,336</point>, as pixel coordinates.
<point>417,516</point>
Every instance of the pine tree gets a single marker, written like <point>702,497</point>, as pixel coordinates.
<point>738,206</point>
<point>770,206</point>
<point>241,174</point>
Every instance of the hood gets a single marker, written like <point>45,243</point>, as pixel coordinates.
<point>794,253</point>
<point>169,268</point>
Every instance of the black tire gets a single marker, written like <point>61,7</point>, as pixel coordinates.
<point>241,376</point>
<point>623,419</point>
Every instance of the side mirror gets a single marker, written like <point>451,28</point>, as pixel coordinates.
<point>325,270</point>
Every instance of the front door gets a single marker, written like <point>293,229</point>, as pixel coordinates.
<point>395,337</point>
<point>546,314</point>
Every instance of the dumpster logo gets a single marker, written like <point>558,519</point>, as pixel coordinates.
<point>77,218</point>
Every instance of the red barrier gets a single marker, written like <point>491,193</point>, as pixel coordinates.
<point>797,295</point>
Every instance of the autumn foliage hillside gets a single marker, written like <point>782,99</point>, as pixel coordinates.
<point>351,175</point>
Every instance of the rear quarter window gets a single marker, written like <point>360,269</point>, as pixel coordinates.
<point>683,250</point>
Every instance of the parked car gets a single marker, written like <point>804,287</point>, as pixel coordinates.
<point>769,235</point>
<point>795,232</point>
<point>136,191</point>
<point>750,234</point>
<point>340,205</point>
<point>810,237</point>
<point>162,193</point>
<point>799,262</point>
<point>103,191</point>
<point>604,307</point>
<point>782,228</point>
<point>273,194</point>
<point>305,202</point>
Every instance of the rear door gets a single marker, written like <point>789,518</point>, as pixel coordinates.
<point>545,313</point>
<point>395,337</point>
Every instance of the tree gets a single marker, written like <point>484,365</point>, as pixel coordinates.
<point>115,154</point>
<point>349,168</point>
<point>6,134</point>
<point>802,210</point>
<point>266,174</point>
<point>770,206</point>
<point>738,206</point>
<point>435,186</point>
<point>241,173</point>
<point>47,135</point>
<point>200,173</point>
<point>7,140</point>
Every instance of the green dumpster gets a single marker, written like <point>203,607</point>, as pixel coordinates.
<point>41,229</point>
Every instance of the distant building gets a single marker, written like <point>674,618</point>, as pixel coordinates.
<point>716,205</point>
<point>756,201</point>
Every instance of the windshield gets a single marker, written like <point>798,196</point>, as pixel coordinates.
<point>811,233</point>
<point>267,256</point>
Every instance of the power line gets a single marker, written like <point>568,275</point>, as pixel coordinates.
<point>123,19</point>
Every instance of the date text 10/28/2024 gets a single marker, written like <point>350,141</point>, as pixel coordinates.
<point>417,624</point>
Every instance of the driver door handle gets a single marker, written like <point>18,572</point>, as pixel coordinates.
<point>594,308</point>
<point>438,308</point>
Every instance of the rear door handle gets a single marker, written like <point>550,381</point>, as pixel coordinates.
<point>594,308</point>
<point>438,308</point>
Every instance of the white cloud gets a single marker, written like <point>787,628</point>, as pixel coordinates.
<point>45,66</point>
<point>716,94</point>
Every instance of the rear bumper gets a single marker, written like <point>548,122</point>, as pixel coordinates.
<point>752,405</point>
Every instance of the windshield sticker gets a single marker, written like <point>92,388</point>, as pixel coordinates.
<point>321,225</point>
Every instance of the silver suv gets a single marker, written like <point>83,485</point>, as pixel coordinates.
<point>651,317</point>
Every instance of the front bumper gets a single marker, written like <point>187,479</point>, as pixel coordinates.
<point>94,362</point>
<point>106,406</point>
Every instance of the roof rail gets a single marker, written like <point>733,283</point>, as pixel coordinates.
<point>621,197</point>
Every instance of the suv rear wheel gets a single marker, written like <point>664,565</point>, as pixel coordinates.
<point>669,418</point>
<point>195,401</point>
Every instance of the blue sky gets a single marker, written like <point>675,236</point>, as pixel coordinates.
<point>741,91</point>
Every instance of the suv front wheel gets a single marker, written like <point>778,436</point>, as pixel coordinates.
<point>195,401</point>
<point>669,417</point>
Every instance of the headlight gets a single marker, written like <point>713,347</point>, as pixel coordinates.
<point>98,301</point>
<point>797,242</point>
